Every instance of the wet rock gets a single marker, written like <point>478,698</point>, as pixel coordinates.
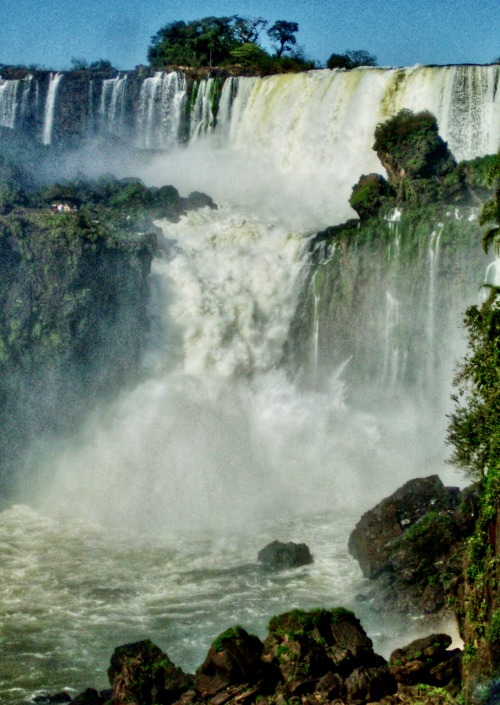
<point>319,652</point>
<point>410,543</point>
<point>367,685</point>
<point>90,697</point>
<point>56,698</point>
<point>234,658</point>
<point>427,661</point>
<point>278,555</point>
<point>141,669</point>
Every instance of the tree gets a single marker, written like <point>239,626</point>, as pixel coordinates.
<point>248,29</point>
<point>474,429</point>
<point>205,42</point>
<point>283,33</point>
<point>251,55</point>
<point>351,59</point>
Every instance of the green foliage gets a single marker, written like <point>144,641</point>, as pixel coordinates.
<point>351,59</point>
<point>205,42</point>
<point>369,194</point>
<point>412,139</point>
<point>490,214</point>
<point>474,429</point>
<point>224,41</point>
<point>493,630</point>
<point>251,55</point>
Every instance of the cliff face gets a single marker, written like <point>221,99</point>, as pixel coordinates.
<point>73,320</point>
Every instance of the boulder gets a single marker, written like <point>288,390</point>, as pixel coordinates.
<point>140,669</point>
<point>428,661</point>
<point>278,555</point>
<point>410,543</point>
<point>319,651</point>
<point>234,658</point>
<point>371,540</point>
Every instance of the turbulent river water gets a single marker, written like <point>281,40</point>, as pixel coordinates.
<point>147,524</point>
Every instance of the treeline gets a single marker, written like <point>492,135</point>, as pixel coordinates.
<point>235,40</point>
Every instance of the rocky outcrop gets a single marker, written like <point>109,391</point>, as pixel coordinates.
<point>411,543</point>
<point>313,658</point>
<point>369,195</point>
<point>278,555</point>
<point>428,661</point>
<point>417,160</point>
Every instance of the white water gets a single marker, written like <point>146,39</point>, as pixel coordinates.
<point>296,144</point>
<point>159,117</point>
<point>112,105</point>
<point>50,105</point>
<point>8,102</point>
<point>132,524</point>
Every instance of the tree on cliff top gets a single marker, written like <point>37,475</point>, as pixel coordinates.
<point>206,42</point>
<point>283,33</point>
<point>351,59</point>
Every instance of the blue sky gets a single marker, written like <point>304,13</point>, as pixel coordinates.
<point>398,32</point>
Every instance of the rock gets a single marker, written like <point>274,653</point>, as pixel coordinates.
<point>319,651</point>
<point>411,544</point>
<point>56,698</point>
<point>136,670</point>
<point>367,685</point>
<point>90,697</point>
<point>376,530</point>
<point>278,555</point>
<point>419,165</point>
<point>198,199</point>
<point>233,658</point>
<point>427,661</point>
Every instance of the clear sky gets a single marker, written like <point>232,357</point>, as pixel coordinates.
<point>398,32</point>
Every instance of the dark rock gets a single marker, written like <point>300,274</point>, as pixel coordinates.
<point>137,670</point>
<point>411,544</point>
<point>366,685</point>
<point>90,697</point>
<point>278,555</point>
<point>197,199</point>
<point>56,698</point>
<point>369,541</point>
<point>233,658</point>
<point>427,661</point>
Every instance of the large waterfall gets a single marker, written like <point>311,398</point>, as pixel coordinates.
<point>285,389</point>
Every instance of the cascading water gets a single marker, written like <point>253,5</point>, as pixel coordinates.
<point>8,103</point>
<point>202,117</point>
<point>50,107</point>
<point>161,103</point>
<point>112,106</point>
<point>145,524</point>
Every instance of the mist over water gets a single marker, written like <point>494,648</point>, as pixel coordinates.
<point>141,525</point>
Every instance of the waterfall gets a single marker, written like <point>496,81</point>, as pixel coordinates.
<point>391,369</point>
<point>8,102</point>
<point>431,319</point>
<point>50,107</point>
<point>161,103</point>
<point>112,104</point>
<point>202,117</point>
<point>28,82</point>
